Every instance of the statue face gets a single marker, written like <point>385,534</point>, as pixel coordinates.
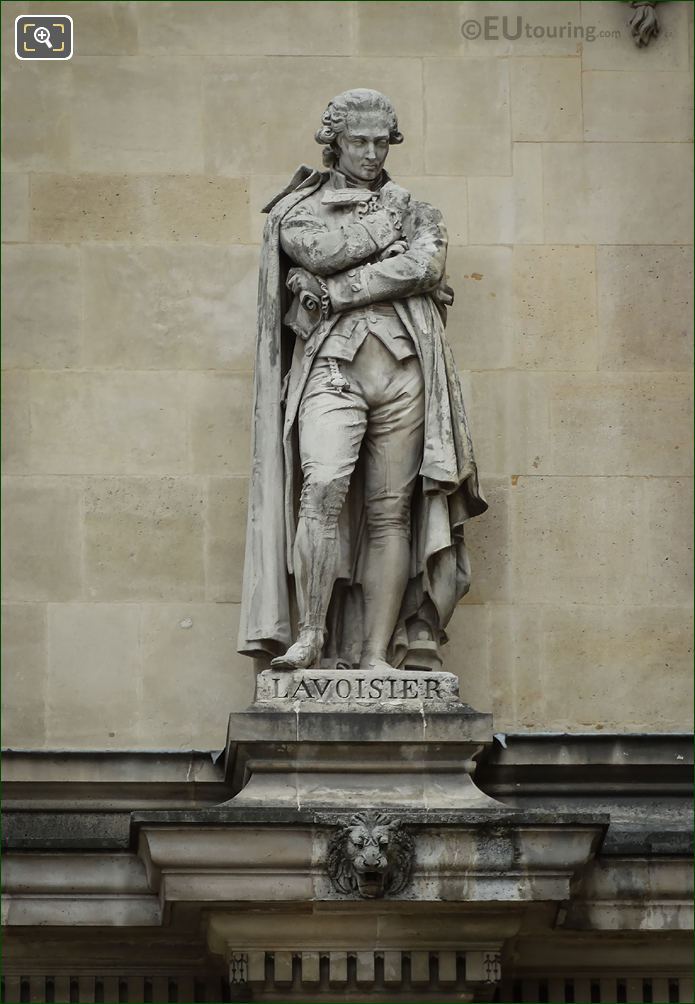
<point>363,146</point>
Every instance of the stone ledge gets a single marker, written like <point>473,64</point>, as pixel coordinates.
<point>78,889</point>
<point>234,814</point>
<point>226,855</point>
<point>82,799</point>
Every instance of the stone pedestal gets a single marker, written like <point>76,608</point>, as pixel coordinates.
<point>357,738</point>
<point>375,867</point>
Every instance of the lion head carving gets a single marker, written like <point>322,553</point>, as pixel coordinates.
<point>371,856</point>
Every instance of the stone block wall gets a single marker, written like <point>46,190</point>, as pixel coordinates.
<point>133,178</point>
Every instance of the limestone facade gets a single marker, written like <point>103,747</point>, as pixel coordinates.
<point>133,177</point>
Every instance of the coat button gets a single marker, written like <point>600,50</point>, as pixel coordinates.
<point>352,274</point>
<point>355,287</point>
<point>309,350</point>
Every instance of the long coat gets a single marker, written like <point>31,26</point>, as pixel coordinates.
<point>447,491</point>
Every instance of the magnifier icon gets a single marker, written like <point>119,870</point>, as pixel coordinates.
<point>43,35</point>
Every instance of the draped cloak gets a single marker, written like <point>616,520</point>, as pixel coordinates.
<point>446,494</point>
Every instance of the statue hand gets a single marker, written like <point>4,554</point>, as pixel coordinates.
<point>310,291</point>
<point>398,247</point>
<point>300,281</point>
<point>384,225</point>
<point>444,294</point>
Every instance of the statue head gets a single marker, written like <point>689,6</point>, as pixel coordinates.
<point>371,856</point>
<point>357,128</point>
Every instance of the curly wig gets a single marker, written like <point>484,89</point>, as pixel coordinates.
<point>334,119</point>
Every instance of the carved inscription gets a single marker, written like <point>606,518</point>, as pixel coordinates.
<point>355,688</point>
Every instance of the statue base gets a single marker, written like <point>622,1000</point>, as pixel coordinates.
<point>357,738</point>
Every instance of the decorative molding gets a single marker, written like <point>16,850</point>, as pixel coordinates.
<point>311,974</point>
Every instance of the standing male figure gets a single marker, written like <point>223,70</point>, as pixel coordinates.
<point>364,546</point>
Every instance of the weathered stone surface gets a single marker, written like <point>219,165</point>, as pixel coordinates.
<point>206,209</point>
<point>594,533</point>
<point>555,324</point>
<point>61,831</point>
<point>24,674</point>
<point>255,93</point>
<point>41,291</point>
<point>79,889</point>
<point>630,424</point>
<point>612,897</point>
<point>547,99</point>
<point>509,210</point>
<point>16,414</point>
<point>220,422</point>
<point>612,652</point>
<point>98,423</point>
<point>511,422</point>
<point>637,107</point>
<point>409,29</point>
<point>225,519</point>
<point>143,539</point>
<point>38,108</point>
<point>87,207</point>
<point>645,307</point>
<point>457,726</point>
<point>94,662</point>
<point>581,423</point>
<point>42,539</point>
<point>170,308</point>
<point>669,540</point>
<point>591,191</point>
<point>15,207</point>
<point>490,543</point>
<point>481,141</point>
<point>138,208</point>
<point>143,115</point>
<point>385,929</point>
<point>467,653</point>
<point>480,323</point>
<point>103,890</point>
<point>246,28</point>
<point>179,640</point>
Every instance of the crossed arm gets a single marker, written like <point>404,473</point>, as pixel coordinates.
<point>341,257</point>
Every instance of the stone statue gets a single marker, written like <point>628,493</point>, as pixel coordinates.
<point>363,472</point>
<point>644,22</point>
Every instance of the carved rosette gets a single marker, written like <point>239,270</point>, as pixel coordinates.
<point>371,857</point>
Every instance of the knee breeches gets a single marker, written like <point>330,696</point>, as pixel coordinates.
<point>380,413</point>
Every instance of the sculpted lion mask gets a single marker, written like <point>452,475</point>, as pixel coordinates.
<point>371,856</point>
